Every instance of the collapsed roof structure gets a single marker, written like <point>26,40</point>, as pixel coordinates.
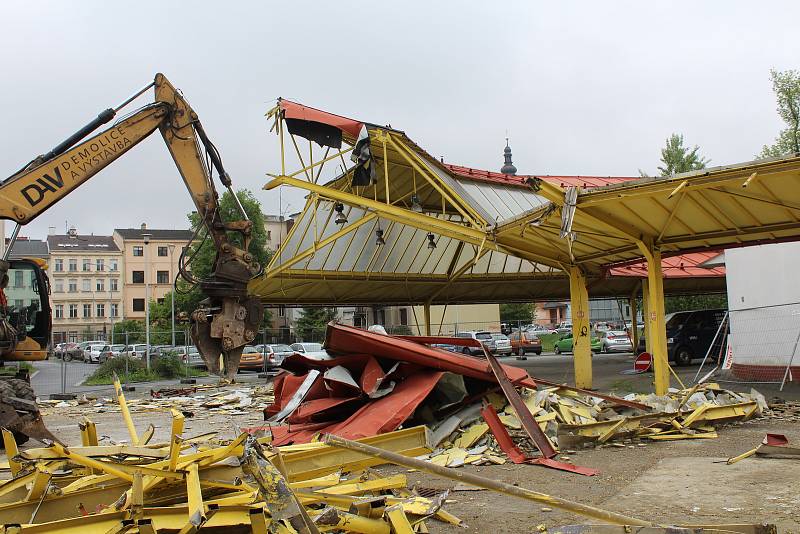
<point>399,226</point>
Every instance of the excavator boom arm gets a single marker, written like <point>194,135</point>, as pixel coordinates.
<point>228,318</point>
<point>30,193</point>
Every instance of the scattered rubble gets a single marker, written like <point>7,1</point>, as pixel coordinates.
<point>374,383</point>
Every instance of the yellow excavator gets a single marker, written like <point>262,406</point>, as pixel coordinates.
<point>228,318</point>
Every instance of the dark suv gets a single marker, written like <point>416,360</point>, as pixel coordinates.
<point>689,334</point>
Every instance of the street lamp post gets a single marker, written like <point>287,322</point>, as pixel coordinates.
<point>172,293</point>
<point>146,238</point>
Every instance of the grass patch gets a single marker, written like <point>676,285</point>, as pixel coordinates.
<point>10,368</point>
<point>166,367</point>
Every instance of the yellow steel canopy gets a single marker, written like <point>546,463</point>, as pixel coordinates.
<point>459,235</point>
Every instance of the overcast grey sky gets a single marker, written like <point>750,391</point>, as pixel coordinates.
<point>582,87</point>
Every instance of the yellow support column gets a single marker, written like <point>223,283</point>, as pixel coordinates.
<point>581,335</point>
<point>657,334</point>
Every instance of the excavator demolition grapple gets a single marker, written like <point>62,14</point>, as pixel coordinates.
<point>228,317</point>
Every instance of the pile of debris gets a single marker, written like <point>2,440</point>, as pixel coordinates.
<point>198,399</point>
<point>479,411</point>
<point>191,483</point>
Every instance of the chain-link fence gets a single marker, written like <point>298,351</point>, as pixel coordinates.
<point>87,365</point>
<point>763,345</point>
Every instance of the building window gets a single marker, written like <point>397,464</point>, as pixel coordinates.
<point>59,311</point>
<point>382,317</point>
<point>100,310</point>
<point>72,336</point>
<point>87,264</point>
<point>101,284</point>
<point>138,305</point>
<point>87,311</point>
<point>73,285</point>
<point>73,265</point>
<point>404,316</point>
<point>162,251</point>
<point>86,284</point>
<point>138,277</point>
<point>58,286</point>
<point>73,311</point>
<point>162,277</point>
<point>281,311</point>
<point>18,279</point>
<point>113,284</point>
<point>160,301</point>
<point>114,310</point>
<point>269,235</point>
<point>100,264</point>
<point>113,265</point>
<point>59,265</point>
<point>138,250</point>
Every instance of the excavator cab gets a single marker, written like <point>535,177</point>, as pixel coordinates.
<point>25,315</point>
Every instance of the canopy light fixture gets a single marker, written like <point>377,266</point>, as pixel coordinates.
<point>415,205</point>
<point>340,216</point>
<point>431,242</point>
<point>379,237</point>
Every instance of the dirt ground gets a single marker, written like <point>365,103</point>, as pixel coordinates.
<point>678,482</point>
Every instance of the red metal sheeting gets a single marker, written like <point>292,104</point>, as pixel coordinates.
<point>343,339</point>
<point>293,110</point>
<point>681,266</point>
<point>514,453</point>
<point>519,180</point>
<point>389,412</point>
<point>502,436</point>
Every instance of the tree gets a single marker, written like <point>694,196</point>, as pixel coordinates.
<point>517,313</point>
<point>311,325</point>
<point>786,86</point>
<point>202,254</point>
<point>678,158</point>
<point>203,259</point>
<point>134,328</point>
<point>678,303</point>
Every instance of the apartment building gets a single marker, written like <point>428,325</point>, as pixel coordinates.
<point>277,228</point>
<point>150,258</point>
<point>86,285</point>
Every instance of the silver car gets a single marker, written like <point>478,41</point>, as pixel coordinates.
<point>310,350</point>
<point>615,341</point>
<point>500,345</point>
<point>188,355</point>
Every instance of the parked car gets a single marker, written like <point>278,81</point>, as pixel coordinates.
<point>106,353</point>
<point>91,354</point>
<point>118,349</point>
<point>310,350</point>
<point>615,341</point>
<point>252,359</point>
<point>137,350</point>
<point>483,337</point>
<point>69,351</point>
<point>539,329</point>
<point>523,342</point>
<point>275,353</point>
<point>500,345</point>
<point>565,344</point>
<point>689,334</point>
<point>564,327</point>
<point>188,355</point>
